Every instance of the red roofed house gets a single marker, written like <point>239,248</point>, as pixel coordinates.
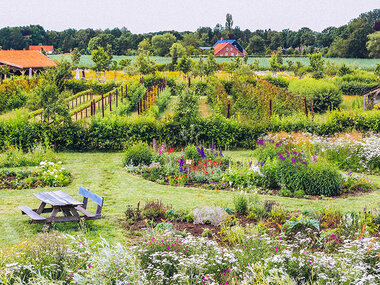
<point>24,60</point>
<point>228,48</point>
<point>48,49</point>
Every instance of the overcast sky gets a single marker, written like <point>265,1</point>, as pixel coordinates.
<point>144,16</point>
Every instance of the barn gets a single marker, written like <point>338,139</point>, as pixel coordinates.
<point>228,48</point>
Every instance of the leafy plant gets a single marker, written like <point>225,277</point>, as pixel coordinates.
<point>138,154</point>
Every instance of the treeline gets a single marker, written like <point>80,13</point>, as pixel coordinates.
<point>346,41</point>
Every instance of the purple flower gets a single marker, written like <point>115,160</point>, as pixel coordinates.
<point>154,144</point>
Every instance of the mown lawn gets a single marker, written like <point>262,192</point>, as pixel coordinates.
<point>103,174</point>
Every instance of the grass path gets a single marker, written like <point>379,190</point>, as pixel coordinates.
<point>102,173</point>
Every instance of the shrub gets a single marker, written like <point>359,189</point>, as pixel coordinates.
<point>138,154</point>
<point>278,81</point>
<point>154,209</point>
<point>241,204</point>
<point>325,95</point>
<point>299,193</point>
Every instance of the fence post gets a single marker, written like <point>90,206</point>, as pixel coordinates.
<point>121,94</point>
<point>76,101</point>
<point>117,97</point>
<point>76,116</point>
<point>86,111</point>
<point>270,108</point>
<point>126,91</point>
<point>306,112</point>
<point>103,105</point>
<point>189,84</point>
<point>228,109</point>
<point>138,108</point>
<point>93,102</point>
<point>312,109</point>
<point>110,100</point>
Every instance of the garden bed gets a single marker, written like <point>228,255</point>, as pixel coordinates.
<point>283,169</point>
<point>49,174</point>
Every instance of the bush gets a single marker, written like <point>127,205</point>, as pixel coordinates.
<point>326,95</point>
<point>154,209</point>
<point>322,179</point>
<point>299,193</point>
<point>138,154</point>
<point>278,81</point>
<point>241,204</point>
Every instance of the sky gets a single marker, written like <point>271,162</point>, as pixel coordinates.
<point>144,16</point>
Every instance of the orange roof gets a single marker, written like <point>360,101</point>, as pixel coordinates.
<point>38,48</point>
<point>25,59</point>
<point>218,47</point>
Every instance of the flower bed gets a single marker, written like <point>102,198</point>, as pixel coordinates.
<point>326,247</point>
<point>281,169</point>
<point>49,174</point>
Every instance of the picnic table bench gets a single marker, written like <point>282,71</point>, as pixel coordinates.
<point>64,203</point>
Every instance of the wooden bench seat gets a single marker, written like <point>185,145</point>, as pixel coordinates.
<point>36,218</point>
<point>85,212</point>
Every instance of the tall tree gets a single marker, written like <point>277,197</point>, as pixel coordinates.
<point>101,58</point>
<point>229,22</point>
<point>162,43</point>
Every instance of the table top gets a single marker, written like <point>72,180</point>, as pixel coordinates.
<point>57,198</point>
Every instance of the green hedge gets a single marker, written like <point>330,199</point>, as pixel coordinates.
<point>113,133</point>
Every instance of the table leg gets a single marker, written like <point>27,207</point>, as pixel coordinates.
<point>66,212</point>
<point>51,218</point>
<point>41,208</point>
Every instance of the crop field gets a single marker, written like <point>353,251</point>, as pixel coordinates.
<point>363,63</point>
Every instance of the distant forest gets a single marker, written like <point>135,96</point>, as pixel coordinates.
<point>346,41</point>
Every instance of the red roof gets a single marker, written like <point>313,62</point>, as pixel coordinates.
<point>23,59</point>
<point>38,48</point>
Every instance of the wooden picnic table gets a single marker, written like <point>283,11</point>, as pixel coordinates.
<point>64,203</point>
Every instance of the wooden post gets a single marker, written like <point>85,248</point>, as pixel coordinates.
<point>86,111</point>
<point>81,114</point>
<point>228,109</point>
<point>312,109</point>
<point>189,83</point>
<point>110,100</point>
<point>76,101</point>
<point>117,97</point>
<point>93,102</point>
<point>72,104</point>
<point>103,105</point>
<point>138,108</point>
<point>306,112</point>
<point>270,108</point>
<point>91,112</point>
<point>121,94</point>
<point>126,91</point>
<point>76,116</point>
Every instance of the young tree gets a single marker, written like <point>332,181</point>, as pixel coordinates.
<point>144,64</point>
<point>101,58</point>
<point>144,46</point>
<point>176,51</point>
<point>317,65</point>
<point>48,97</point>
<point>59,74</point>
<point>75,57</point>
<point>184,64</point>
<point>211,66</point>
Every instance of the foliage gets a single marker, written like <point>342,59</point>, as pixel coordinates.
<point>75,57</point>
<point>373,44</point>
<point>138,154</point>
<point>162,43</point>
<point>54,175</point>
<point>101,58</point>
<point>154,209</point>
<point>325,95</point>
<point>317,65</point>
<point>241,204</point>
<point>188,106</point>
<point>15,157</point>
<point>144,64</point>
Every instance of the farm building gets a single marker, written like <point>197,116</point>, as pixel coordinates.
<point>25,60</point>
<point>48,49</point>
<point>228,48</point>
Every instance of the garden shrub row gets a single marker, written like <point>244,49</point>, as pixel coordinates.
<point>113,133</point>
